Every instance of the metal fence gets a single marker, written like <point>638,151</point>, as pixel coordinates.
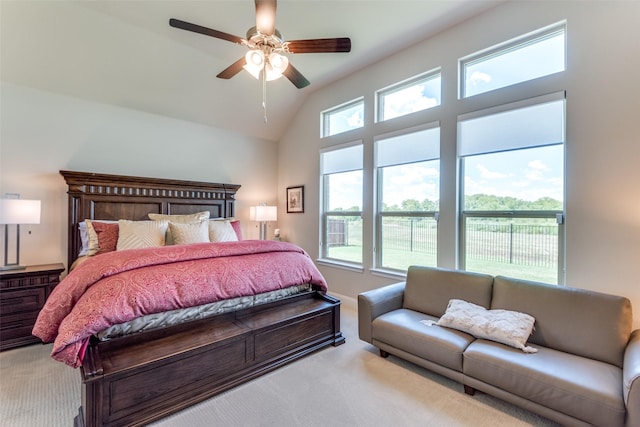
<point>523,244</point>
<point>410,234</point>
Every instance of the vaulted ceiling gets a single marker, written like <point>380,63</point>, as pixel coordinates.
<point>124,53</point>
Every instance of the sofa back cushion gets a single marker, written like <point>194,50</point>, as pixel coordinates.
<point>429,289</point>
<point>589,324</point>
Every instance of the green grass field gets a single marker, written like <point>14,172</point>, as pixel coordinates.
<point>520,250</point>
<point>401,260</point>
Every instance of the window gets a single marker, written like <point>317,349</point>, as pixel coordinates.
<point>341,191</point>
<point>416,94</point>
<point>535,55</point>
<point>343,118</point>
<point>512,166</point>
<point>408,188</point>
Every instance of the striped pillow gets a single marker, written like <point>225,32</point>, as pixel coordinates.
<point>141,234</point>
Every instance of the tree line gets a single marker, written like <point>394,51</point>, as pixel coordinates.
<point>481,202</point>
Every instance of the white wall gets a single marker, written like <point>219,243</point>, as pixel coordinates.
<point>602,149</point>
<point>42,133</point>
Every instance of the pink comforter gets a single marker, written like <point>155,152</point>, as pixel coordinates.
<point>117,287</point>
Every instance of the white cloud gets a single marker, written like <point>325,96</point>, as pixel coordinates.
<point>472,186</point>
<point>407,101</point>
<point>411,182</point>
<point>486,173</point>
<point>355,121</point>
<point>539,165</point>
<point>516,174</point>
<point>538,193</point>
<point>346,190</point>
<point>412,174</point>
<point>521,184</point>
<point>479,77</point>
<point>536,170</point>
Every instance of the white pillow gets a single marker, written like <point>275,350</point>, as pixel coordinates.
<point>141,234</point>
<point>222,231</point>
<point>507,327</point>
<point>183,219</point>
<point>189,233</point>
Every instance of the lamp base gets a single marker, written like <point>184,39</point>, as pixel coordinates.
<point>12,267</point>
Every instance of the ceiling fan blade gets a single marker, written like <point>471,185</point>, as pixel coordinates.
<point>232,69</point>
<point>266,16</point>
<point>340,44</point>
<point>296,77</point>
<point>206,31</point>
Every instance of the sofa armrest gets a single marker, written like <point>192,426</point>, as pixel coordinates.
<point>372,304</point>
<point>631,379</point>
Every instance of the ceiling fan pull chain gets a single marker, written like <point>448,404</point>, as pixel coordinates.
<point>264,94</point>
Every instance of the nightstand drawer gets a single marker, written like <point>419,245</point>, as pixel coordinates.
<point>17,326</point>
<point>22,296</point>
<point>21,301</point>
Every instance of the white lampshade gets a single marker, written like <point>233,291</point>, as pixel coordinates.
<point>266,213</point>
<point>255,62</point>
<point>276,66</point>
<point>19,211</point>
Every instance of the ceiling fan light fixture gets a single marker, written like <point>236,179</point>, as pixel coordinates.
<point>279,62</point>
<point>276,65</point>
<point>255,62</point>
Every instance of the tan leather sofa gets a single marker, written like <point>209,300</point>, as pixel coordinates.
<point>586,370</point>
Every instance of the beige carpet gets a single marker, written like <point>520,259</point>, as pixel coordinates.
<point>349,385</point>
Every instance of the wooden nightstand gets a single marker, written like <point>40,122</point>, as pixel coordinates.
<point>22,295</point>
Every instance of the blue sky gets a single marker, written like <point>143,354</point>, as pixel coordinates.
<point>524,174</point>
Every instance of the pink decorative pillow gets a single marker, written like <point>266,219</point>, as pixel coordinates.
<point>236,227</point>
<point>107,236</point>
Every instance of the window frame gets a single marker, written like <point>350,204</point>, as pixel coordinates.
<point>325,117</point>
<point>325,213</point>
<point>404,84</point>
<point>381,214</point>
<point>465,214</point>
<point>505,48</point>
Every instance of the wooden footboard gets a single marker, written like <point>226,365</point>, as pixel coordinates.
<point>136,380</point>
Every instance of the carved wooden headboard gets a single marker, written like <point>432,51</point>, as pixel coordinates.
<point>113,197</point>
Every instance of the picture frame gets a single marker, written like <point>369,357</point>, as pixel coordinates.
<point>295,199</point>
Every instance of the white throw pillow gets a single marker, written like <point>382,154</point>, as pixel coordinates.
<point>141,234</point>
<point>183,219</point>
<point>189,233</point>
<point>222,231</point>
<point>504,326</point>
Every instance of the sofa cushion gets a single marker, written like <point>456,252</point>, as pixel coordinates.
<point>577,321</point>
<point>428,290</point>
<point>404,329</point>
<point>583,388</point>
<point>504,326</point>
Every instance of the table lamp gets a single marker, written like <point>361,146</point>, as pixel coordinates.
<point>262,214</point>
<point>16,212</point>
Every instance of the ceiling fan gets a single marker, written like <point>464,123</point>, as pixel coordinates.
<point>266,47</point>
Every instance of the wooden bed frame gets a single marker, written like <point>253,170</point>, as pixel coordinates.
<point>141,378</point>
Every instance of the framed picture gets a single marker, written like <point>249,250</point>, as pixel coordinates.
<point>295,199</point>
